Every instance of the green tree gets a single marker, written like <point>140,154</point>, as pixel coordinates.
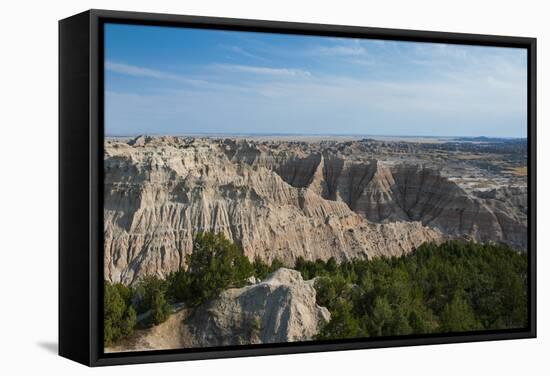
<point>379,321</point>
<point>342,323</point>
<point>215,264</point>
<point>160,309</point>
<point>118,314</point>
<point>457,316</point>
<point>275,264</point>
<point>261,269</point>
<point>178,286</point>
<point>146,290</point>
<point>329,290</point>
<point>151,297</point>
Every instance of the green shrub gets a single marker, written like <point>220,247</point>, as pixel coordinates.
<point>118,314</point>
<point>214,265</point>
<point>178,286</point>
<point>150,295</point>
<point>160,309</point>
<point>275,264</point>
<point>146,290</point>
<point>261,269</point>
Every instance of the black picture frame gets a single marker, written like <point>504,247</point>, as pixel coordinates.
<point>81,185</point>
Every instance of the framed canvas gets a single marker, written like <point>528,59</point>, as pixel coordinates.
<point>235,187</point>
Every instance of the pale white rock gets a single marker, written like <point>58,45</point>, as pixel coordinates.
<point>280,309</point>
<point>284,201</point>
<point>160,192</point>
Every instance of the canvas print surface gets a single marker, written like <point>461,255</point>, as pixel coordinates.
<point>269,188</point>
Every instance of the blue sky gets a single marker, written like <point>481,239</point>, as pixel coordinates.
<point>164,80</point>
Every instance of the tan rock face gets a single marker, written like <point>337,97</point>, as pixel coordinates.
<point>281,203</point>
<point>403,192</point>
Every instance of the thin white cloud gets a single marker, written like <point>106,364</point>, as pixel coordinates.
<point>329,104</point>
<point>348,49</point>
<point>354,52</point>
<point>243,52</point>
<point>363,61</point>
<point>284,72</point>
<point>136,71</point>
<point>342,50</point>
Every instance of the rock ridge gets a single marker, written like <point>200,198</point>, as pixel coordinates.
<point>284,201</point>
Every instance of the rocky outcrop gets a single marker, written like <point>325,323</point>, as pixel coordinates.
<point>280,309</point>
<point>416,193</point>
<point>159,192</point>
<point>509,206</point>
<point>412,192</point>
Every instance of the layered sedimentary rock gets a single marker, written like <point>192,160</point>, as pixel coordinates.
<point>411,192</point>
<point>283,201</point>
<point>280,309</point>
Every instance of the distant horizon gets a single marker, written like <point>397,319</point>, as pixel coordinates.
<point>305,134</point>
<point>176,80</point>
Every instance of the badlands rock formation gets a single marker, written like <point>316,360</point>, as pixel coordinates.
<point>280,309</point>
<point>284,200</point>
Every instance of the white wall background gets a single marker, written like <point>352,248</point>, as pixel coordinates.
<point>28,186</point>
